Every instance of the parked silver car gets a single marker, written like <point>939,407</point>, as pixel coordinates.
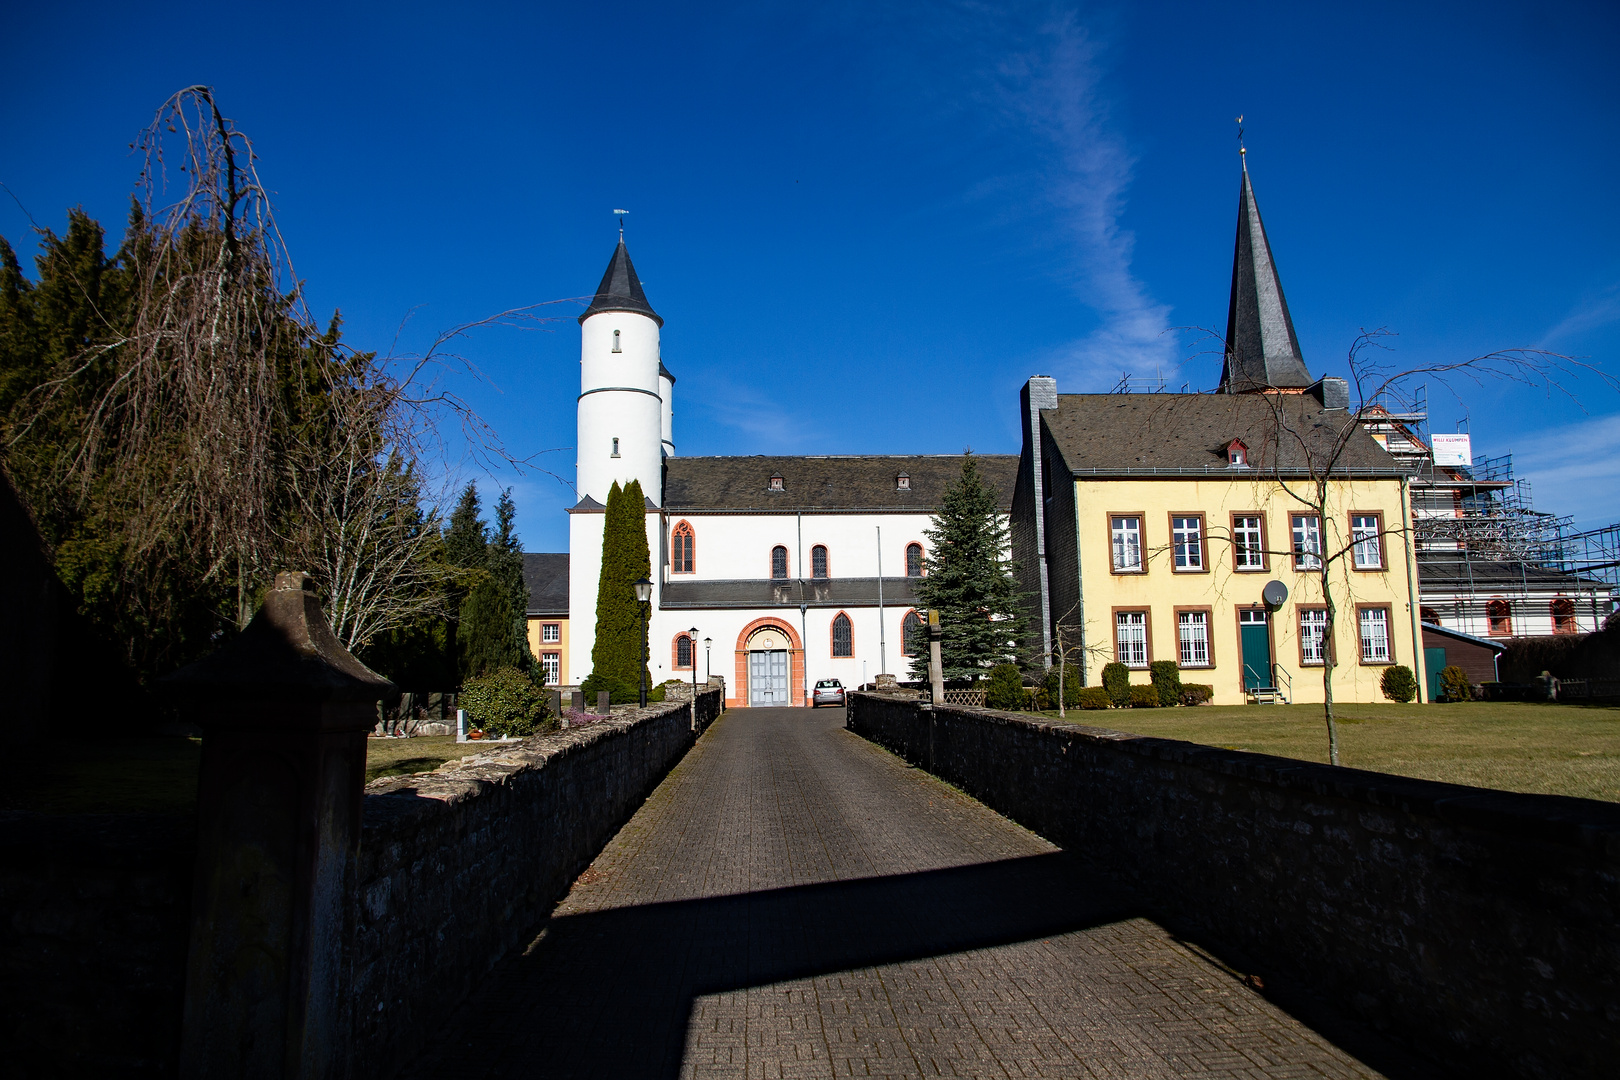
<point>827,692</point>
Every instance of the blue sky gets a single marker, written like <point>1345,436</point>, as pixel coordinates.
<point>865,225</point>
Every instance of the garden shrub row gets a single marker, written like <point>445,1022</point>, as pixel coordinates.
<point>1005,690</point>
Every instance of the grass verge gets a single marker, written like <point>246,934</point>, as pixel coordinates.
<point>1544,749</point>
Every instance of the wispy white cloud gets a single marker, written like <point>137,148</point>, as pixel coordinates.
<point>1574,469</point>
<point>1592,312</point>
<point>1056,91</point>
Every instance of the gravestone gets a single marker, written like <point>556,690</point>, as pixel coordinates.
<point>604,702</point>
<point>579,700</point>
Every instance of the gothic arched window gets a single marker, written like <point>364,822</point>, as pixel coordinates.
<point>779,565</point>
<point>843,636</point>
<point>913,560</point>
<point>913,639</point>
<point>682,550</point>
<point>818,561</point>
<point>1500,617</point>
<point>1563,616</point>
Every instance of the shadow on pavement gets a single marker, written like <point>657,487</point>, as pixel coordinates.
<point>608,994</point>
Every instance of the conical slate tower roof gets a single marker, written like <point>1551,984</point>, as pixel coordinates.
<point>621,289</point>
<point>1262,351</point>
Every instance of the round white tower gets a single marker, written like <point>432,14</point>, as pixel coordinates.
<point>624,406</point>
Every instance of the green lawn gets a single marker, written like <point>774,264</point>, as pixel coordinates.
<point>159,775</point>
<point>1551,749</point>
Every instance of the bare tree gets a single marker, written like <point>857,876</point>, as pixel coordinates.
<point>222,431</point>
<point>1306,459</point>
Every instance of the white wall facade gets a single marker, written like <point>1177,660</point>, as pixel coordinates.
<point>736,547</point>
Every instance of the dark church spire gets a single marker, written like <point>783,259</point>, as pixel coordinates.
<point>621,289</point>
<point>1262,351</point>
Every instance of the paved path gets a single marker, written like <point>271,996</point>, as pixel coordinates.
<point>794,901</point>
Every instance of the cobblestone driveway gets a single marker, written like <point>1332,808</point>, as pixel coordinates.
<point>793,901</point>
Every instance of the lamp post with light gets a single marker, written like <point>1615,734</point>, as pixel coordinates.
<point>708,672</point>
<point>644,596</point>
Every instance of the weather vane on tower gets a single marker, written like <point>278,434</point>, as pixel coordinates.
<point>1242,150</point>
<point>621,214</point>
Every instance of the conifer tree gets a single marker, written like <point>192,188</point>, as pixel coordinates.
<point>971,582</point>
<point>626,558</point>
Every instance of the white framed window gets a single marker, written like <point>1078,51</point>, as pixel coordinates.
<point>1313,636</point>
<point>551,667</point>
<point>616,342</point>
<point>1127,543</point>
<point>1307,542</point>
<point>550,632</point>
<point>1131,635</point>
<point>1193,629</point>
<point>615,447</point>
<point>1187,535</point>
<point>1249,542</point>
<point>1374,635</point>
<point>1369,545</point>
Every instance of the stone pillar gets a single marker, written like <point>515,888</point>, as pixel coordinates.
<point>936,668</point>
<point>284,711</point>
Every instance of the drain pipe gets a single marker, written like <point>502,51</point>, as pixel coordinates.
<point>1420,662</point>
<point>883,647</point>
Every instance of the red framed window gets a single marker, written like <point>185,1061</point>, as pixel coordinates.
<point>843,636</point>
<point>818,561</point>
<point>914,560</point>
<point>682,549</point>
<point>1563,616</point>
<point>1500,617</point>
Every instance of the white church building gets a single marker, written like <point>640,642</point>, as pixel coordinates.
<point>773,572</point>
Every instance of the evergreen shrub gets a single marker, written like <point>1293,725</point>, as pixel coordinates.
<point>1454,684</point>
<point>1005,689</point>
<point>1166,676</point>
<point>1196,693</point>
<point>1144,697</point>
<point>1071,688</point>
<point>620,692</point>
<point>1093,697</point>
<point>1117,681</point>
<point>505,702</point>
<point>1398,683</point>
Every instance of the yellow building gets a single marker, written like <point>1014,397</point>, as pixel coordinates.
<point>545,574</point>
<point>1195,527</point>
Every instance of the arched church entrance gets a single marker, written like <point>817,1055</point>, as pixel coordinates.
<point>769,656</point>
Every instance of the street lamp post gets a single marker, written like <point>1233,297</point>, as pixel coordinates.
<point>708,672</point>
<point>644,597</point>
<point>691,637</point>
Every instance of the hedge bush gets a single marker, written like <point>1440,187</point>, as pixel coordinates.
<point>619,691</point>
<point>1398,683</point>
<point>1093,697</point>
<point>1071,688</point>
<point>1454,684</point>
<point>1166,678</point>
<point>505,702</point>
<point>1144,697</point>
<point>1117,681</point>
<point>1005,690</point>
<point>1196,693</point>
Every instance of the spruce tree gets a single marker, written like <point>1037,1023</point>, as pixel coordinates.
<point>971,582</point>
<point>492,633</point>
<point>466,547</point>
<point>626,558</point>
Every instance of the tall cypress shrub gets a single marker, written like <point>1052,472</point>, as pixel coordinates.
<point>626,557</point>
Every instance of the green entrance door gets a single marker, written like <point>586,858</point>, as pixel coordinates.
<point>1255,633</point>
<point>1433,661</point>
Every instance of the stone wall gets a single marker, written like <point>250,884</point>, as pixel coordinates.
<point>1480,927</point>
<point>456,868</point>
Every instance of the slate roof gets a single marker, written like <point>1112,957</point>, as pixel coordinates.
<point>825,593</point>
<point>1449,569</point>
<point>1187,434</point>
<point>546,576</point>
<point>1262,349</point>
<point>621,289</point>
<point>1436,628</point>
<point>814,483</point>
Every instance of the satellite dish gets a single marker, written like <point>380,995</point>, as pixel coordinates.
<point>1274,594</point>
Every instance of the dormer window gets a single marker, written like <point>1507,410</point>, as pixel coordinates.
<point>1237,454</point>
<point>776,484</point>
<point>902,482</point>
<point>616,342</point>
